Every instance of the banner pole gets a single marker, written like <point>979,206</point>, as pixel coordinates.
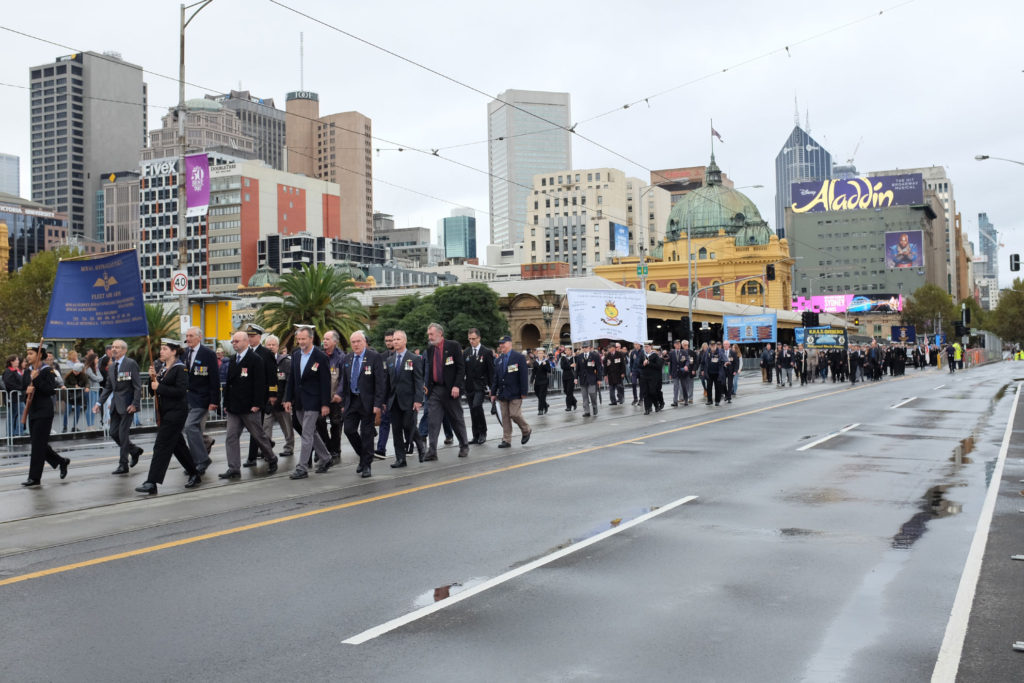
<point>156,399</point>
<point>554,325</point>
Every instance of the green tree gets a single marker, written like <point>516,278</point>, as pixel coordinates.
<point>924,307</point>
<point>1007,321</point>
<point>161,322</point>
<point>979,316</point>
<point>317,295</point>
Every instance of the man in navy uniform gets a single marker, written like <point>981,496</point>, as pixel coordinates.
<point>567,362</point>
<point>125,385</point>
<point>479,371</point>
<point>39,384</point>
<point>405,396</point>
<point>511,385</point>
<point>245,395</point>
<point>203,396</point>
<point>308,397</point>
<point>589,373</point>
<point>362,393</point>
<point>269,358</point>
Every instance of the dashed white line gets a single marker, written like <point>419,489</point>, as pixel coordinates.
<point>830,436</point>
<point>372,633</point>
<point>938,387</point>
<point>912,398</point>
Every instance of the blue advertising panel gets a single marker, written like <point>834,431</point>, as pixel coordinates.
<point>830,338</point>
<point>904,334</point>
<point>750,329</point>
<point>847,194</point>
<point>100,297</point>
<point>620,239</point>
<point>904,249</point>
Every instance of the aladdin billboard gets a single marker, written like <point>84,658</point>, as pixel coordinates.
<point>849,303</point>
<point>847,194</point>
<point>904,249</point>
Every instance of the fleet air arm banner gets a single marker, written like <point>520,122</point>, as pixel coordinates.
<point>607,314</point>
<point>100,297</point>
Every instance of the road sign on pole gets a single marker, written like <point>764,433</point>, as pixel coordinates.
<point>179,282</point>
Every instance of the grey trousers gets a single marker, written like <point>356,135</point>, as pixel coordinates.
<point>195,436</point>
<point>253,422</point>
<point>310,440</point>
<point>439,406</point>
<point>589,392</point>
<point>283,420</point>
<point>677,386</point>
<point>120,427</point>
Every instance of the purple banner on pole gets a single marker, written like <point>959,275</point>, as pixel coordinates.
<point>197,184</point>
<point>875,192</point>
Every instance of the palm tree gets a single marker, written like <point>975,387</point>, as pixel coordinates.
<point>316,295</point>
<point>161,323</point>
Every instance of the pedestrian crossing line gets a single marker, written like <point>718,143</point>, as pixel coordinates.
<point>380,630</point>
<point>903,403</point>
<point>395,494</point>
<point>830,436</point>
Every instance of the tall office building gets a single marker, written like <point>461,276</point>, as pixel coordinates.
<point>209,127</point>
<point>261,121</point>
<point>801,159</point>
<point>460,234</point>
<point>988,245</point>
<point>337,148</point>
<point>10,172</point>
<point>529,134</point>
<point>88,116</point>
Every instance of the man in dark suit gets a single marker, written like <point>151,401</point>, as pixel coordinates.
<point>203,396</point>
<point>446,377</point>
<point>124,385</point>
<point>511,384</point>
<point>713,368</point>
<point>615,366</point>
<point>650,378</point>
<point>245,395</point>
<point>567,363</point>
<point>269,358</point>
<point>479,371</point>
<point>405,396</point>
<point>308,397</point>
<point>39,384</point>
<point>589,373</point>
<point>362,392</point>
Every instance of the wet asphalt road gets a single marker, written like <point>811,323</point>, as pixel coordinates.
<point>837,562</point>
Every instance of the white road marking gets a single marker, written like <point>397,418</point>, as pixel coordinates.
<point>912,398</point>
<point>518,571</point>
<point>938,387</point>
<point>830,436</point>
<point>948,662</point>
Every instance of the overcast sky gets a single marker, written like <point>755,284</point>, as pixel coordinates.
<point>926,82</point>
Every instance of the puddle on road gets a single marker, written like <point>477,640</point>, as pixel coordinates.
<point>933,506</point>
<point>794,531</point>
<point>961,450</point>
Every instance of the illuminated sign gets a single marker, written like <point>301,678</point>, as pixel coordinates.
<point>848,194</point>
<point>151,169</point>
<point>849,303</point>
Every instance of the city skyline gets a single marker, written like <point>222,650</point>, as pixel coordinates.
<point>899,125</point>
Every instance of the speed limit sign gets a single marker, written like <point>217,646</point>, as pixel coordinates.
<point>179,282</point>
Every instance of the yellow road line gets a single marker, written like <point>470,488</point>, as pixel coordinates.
<point>394,494</point>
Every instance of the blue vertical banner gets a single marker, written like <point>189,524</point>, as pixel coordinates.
<point>100,297</point>
<point>620,239</point>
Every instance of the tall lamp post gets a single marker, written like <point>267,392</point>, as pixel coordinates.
<point>182,202</point>
<point>983,157</point>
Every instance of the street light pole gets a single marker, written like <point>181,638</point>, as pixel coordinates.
<point>182,202</point>
<point>983,157</point>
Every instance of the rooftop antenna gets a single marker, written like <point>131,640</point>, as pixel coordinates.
<point>807,120</point>
<point>302,71</point>
<point>796,112</point>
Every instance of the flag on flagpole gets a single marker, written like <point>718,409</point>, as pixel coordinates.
<point>717,135</point>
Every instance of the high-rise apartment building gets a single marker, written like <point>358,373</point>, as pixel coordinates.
<point>337,148</point>
<point>988,246</point>
<point>88,114</point>
<point>209,127</point>
<point>411,245</point>
<point>460,235</point>
<point>801,159</point>
<point>529,134</point>
<point>121,210</point>
<point>572,217</point>
<point>261,121</point>
<point>10,174</point>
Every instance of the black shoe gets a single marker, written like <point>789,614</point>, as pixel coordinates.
<point>429,458</point>
<point>298,475</point>
<point>209,446</point>
<point>194,481</point>
<point>449,442</point>
<point>504,444</point>
<point>321,469</point>
<point>230,474</point>
<point>658,409</point>
<point>568,410</point>
<point>359,469</point>
<point>728,400</point>
<point>464,451</point>
<point>586,414</point>
<point>526,437</point>
<point>647,412</point>
<point>147,487</point>
<point>249,463</point>
<point>674,404</point>
<point>30,482</point>
<point>201,469</point>
<point>708,403</point>
<point>136,453</point>
<point>399,463</point>
<point>408,448</point>
<point>64,467</point>
<point>379,455</point>
<point>272,467</point>
<point>366,473</point>
<point>121,469</point>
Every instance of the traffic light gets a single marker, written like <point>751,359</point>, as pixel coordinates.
<point>856,321</point>
<point>806,319</point>
<point>966,316</point>
<point>1014,262</point>
<point>769,271</point>
<point>959,330</point>
<point>815,320</point>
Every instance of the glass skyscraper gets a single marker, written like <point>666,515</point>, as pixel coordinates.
<point>460,235</point>
<point>528,133</point>
<point>988,244</point>
<point>800,159</point>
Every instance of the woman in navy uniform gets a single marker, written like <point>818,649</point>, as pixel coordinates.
<point>171,389</point>
<point>39,385</point>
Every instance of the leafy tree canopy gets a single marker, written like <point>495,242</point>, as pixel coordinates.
<point>925,305</point>
<point>456,308</point>
<point>1007,321</point>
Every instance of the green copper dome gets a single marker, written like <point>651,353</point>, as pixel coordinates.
<point>264,277</point>
<point>712,207</point>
